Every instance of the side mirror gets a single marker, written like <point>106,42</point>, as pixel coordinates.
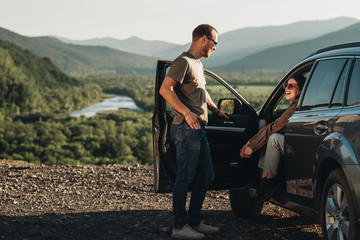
<point>230,105</point>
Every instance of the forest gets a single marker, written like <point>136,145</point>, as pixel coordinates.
<point>118,137</point>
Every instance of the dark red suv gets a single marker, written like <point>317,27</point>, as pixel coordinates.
<point>321,166</point>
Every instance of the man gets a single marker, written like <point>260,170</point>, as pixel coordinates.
<point>271,136</point>
<point>184,89</point>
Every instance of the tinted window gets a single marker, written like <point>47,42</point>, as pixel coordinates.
<point>337,99</point>
<point>354,87</point>
<point>322,83</point>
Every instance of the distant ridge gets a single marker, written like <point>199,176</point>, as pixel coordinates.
<point>233,45</point>
<point>76,59</point>
<point>132,44</point>
<point>243,42</point>
<point>286,56</point>
<point>236,44</point>
<point>241,49</point>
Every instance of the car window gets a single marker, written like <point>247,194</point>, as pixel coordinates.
<point>322,83</point>
<point>353,97</point>
<point>216,90</point>
<point>338,97</point>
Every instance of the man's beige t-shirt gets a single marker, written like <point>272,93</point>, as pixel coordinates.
<point>189,73</point>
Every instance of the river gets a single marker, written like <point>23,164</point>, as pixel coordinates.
<point>114,103</point>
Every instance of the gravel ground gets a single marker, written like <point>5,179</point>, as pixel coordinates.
<point>118,202</point>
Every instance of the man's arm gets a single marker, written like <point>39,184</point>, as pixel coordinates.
<point>167,91</point>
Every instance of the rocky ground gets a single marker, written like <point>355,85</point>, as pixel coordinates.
<point>118,202</point>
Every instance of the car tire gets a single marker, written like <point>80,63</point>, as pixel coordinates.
<point>242,204</point>
<point>338,218</point>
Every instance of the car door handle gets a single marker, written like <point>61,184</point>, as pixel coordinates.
<point>228,122</point>
<point>321,129</point>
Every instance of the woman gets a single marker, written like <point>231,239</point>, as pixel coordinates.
<point>271,136</point>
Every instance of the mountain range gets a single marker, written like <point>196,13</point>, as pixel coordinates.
<point>243,42</point>
<point>78,59</point>
<point>285,56</point>
<point>267,47</point>
<point>132,45</point>
<point>240,43</point>
<point>232,45</point>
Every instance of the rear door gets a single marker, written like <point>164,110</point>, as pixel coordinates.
<point>320,103</point>
<point>225,136</point>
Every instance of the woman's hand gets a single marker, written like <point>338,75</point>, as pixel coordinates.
<point>246,151</point>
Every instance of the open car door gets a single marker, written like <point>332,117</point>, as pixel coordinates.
<point>226,136</point>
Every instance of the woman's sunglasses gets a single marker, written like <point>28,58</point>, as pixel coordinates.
<point>289,85</point>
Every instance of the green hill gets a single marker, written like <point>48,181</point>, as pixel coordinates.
<point>77,59</point>
<point>35,98</point>
<point>286,56</point>
<point>30,84</point>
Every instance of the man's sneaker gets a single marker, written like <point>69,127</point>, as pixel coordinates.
<point>268,188</point>
<point>186,232</point>
<point>206,229</point>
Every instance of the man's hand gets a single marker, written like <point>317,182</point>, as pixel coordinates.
<point>222,113</point>
<point>193,120</point>
<point>167,91</point>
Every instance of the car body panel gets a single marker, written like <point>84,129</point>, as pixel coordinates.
<point>300,159</point>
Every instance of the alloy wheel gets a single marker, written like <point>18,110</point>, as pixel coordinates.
<point>337,214</point>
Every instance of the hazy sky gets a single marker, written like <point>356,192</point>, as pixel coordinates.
<point>166,20</point>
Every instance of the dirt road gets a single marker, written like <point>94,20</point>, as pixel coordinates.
<point>118,202</point>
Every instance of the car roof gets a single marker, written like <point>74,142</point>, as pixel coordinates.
<point>346,49</point>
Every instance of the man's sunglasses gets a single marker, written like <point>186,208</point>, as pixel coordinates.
<point>215,43</point>
<point>289,85</point>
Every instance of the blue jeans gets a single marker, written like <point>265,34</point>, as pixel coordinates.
<point>194,170</point>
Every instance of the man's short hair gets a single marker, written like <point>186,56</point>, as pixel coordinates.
<point>203,29</point>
